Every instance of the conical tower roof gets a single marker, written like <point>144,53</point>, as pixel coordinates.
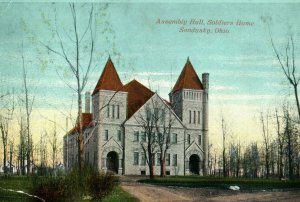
<point>109,79</point>
<point>188,79</point>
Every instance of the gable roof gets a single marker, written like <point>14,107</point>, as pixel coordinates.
<point>86,119</point>
<point>188,79</point>
<point>109,79</point>
<point>138,95</point>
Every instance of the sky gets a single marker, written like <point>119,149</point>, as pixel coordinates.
<point>150,42</point>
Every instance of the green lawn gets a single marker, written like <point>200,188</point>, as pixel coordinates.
<point>224,183</point>
<point>24,184</point>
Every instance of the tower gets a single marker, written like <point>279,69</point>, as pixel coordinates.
<point>189,99</point>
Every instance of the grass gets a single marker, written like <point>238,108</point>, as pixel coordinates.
<point>25,183</point>
<point>224,183</point>
<point>118,194</point>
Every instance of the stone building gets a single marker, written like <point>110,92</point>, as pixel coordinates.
<point>115,128</point>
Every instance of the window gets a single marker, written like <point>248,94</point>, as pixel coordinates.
<point>174,159</point>
<point>107,112</point>
<point>94,138</point>
<point>148,113</point>
<point>194,116</point>
<point>143,172</point>
<point>156,112</point>
<point>106,135</point>
<point>163,116</point>
<point>118,111</point>
<point>188,139</point>
<point>113,111</point>
<point>158,159</point>
<point>174,138</point>
<point>136,136</point>
<point>199,117</point>
<point>168,160</point>
<point>135,158</point>
<point>190,121</point>
<point>200,140</point>
<point>119,135</point>
<point>143,136</point>
<point>143,160</point>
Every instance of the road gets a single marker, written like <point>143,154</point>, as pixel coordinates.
<point>149,193</point>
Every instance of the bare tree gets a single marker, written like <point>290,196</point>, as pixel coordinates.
<point>80,72</point>
<point>28,104</point>
<point>266,140</point>
<point>287,64</point>
<point>149,138</point>
<point>6,117</point>
<point>225,133</point>
<point>280,140</point>
<point>163,128</point>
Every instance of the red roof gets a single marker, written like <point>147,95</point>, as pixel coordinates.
<point>138,95</point>
<point>109,79</point>
<point>188,78</point>
<point>86,119</point>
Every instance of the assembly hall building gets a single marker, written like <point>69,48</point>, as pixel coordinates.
<point>116,116</point>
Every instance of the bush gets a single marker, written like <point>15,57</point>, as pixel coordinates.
<point>50,189</point>
<point>100,185</point>
<point>73,186</point>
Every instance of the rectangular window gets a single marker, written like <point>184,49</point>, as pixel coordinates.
<point>118,111</point>
<point>148,113</point>
<point>194,117</point>
<point>113,111</point>
<point>190,120</point>
<point>168,160</point>
<point>174,138</point>
<point>106,135</point>
<point>135,158</point>
<point>174,159</point>
<point>119,135</point>
<point>158,159</point>
<point>143,160</point>
<point>143,136</point>
<point>188,139</point>
<point>199,117</point>
<point>107,112</point>
<point>156,112</point>
<point>136,136</point>
<point>200,140</point>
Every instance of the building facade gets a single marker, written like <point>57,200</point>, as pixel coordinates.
<point>123,119</point>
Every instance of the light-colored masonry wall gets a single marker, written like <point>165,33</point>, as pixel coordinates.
<point>134,125</point>
<point>109,111</point>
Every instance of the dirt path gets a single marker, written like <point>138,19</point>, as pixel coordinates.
<point>149,193</point>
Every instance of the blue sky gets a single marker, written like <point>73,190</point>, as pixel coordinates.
<point>244,73</point>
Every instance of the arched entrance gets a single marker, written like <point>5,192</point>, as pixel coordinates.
<point>194,164</point>
<point>112,161</point>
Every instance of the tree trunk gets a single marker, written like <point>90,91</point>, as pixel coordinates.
<point>297,99</point>
<point>162,166</point>
<point>4,157</point>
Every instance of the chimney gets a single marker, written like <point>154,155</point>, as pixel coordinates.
<point>87,102</point>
